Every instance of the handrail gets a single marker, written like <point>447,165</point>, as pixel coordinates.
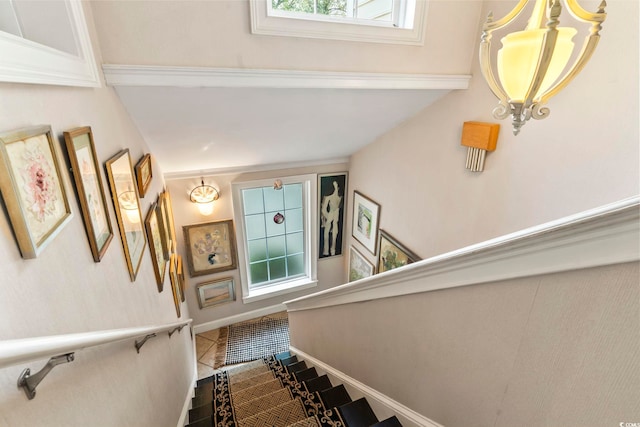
<point>18,351</point>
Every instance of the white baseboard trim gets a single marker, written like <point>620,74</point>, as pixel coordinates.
<point>184,416</point>
<point>407,416</point>
<point>204,327</point>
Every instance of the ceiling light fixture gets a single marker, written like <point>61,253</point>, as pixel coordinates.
<point>204,196</point>
<point>531,62</point>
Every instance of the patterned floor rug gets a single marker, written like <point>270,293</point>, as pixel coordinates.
<point>256,340</point>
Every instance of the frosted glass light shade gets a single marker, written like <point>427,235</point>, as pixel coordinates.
<point>518,58</point>
<point>205,208</point>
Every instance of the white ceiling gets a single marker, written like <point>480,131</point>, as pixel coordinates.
<point>202,130</point>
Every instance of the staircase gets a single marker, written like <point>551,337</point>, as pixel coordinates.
<point>278,391</point>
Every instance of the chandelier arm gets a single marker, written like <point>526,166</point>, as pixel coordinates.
<point>588,48</point>
<point>487,71</point>
<point>491,25</point>
<point>585,16</point>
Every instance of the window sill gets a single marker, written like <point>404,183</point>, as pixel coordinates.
<point>282,289</point>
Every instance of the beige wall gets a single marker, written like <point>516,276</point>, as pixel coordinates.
<point>65,291</point>
<point>552,350</point>
<point>584,155</point>
<point>331,271</point>
<point>217,34</point>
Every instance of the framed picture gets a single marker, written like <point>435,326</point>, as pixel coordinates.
<point>393,254</point>
<point>32,188</point>
<point>124,194</point>
<point>86,175</point>
<point>366,216</point>
<point>331,192</point>
<point>180,271</point>
<point>359,266</point>
<point>154,237</point>
<point>215,292</point>
<point>175,286</point>
<point>143,174</point>
<point>167,228</point>
<point>211,247</point>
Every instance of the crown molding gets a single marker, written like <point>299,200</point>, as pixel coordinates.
<point>147,75</point>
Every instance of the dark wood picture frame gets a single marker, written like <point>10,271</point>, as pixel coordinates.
<point>393,254</point>
<point>211,247</point>
<point>144,173</point>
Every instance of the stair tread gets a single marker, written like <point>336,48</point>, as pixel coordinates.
<point>358,413</point>
<point>307,422</point>
<point>278,416</point>
<point>389,422</point>
<point>318,384</point>
<point>263,403</point>
<point>249,373</point>
<point>335,396</point>
<point>296,367</point>
<point>253,381</point>
<point>200,412</point>
<point>306,375</point>
<point>254,392</point>
<point>205,422</point>
<point>289,360</point>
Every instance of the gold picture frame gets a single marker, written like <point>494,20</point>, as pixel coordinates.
<point>215,292</point>
<point>211,247</point>
<point>126,203</point>
<point>33,188</point>
<point>154,237</point>
<point>175,286</point>
<point>144,174</point>
<point>392,254</point>
<point>167,227</point>
<point>88,182</point>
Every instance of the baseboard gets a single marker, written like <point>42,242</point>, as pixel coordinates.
<point>184,416</point>
<point>204,327</point>
<point>408,417</point>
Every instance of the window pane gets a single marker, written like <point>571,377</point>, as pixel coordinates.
<point>277,268</point>
<point>259,272</point>
<point>252,199</point>
<point>273,228</point>
<point>296,264</point>
<point>273,199</point>
<point>255,226</point>
<point>295,243</point>
<point>293,196</point>
<point>257,250</point>
<point>276,246</point>
<point>293,220</point>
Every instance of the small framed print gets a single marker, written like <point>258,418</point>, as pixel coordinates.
<point>215,292</point>
<point>331,194</point>
<point>359,266</point>
<point>211,247</point>
<point>154,236</point>
<point>393,254</point>
<point>32,188</point>
<point>86,175</point>
<point>366,216</point>
<point>143,174</point>
<point>124,194</point>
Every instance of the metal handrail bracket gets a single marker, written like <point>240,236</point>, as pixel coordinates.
<point>29,382</point>
<point>141,342</point>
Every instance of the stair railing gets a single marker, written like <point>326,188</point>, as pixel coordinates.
<point>61,348</point>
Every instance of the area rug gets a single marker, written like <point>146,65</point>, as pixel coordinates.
<point>255,340</point>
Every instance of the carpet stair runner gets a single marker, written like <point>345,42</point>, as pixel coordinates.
<point>278,391</point>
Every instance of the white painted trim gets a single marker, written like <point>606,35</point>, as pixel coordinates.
<point>280,289</point>
<point>250,169</point>
<point>14,352</point>
<point>148,75</point>
<point>602,236</point>
<point>24,61</point>
<point>184,415</point>
<point>407,416</point>
<point>254,314</point>
<point>262,23</point>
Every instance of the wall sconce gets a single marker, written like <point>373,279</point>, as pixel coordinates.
<point>479,138</point>
<point>204,196</point>
<point>128,201</point>
<point>531,61</point>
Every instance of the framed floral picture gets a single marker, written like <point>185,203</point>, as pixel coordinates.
<point>366,216</point>
<point>32,188</point>
<point>88,181</point>
<point>211,247</point>
<point>143,174</point>
<point>154,237</point>
<point>392,254</point>
<point>124,194</point>
<point>175,286</point>
<point>215,292</point>
<point>331,193</point>
<point>359,266</point>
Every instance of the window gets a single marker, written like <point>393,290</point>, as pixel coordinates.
<point>378,21</point>
<point>276,245</point>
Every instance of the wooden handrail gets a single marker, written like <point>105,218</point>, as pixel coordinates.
<point>18,351</point>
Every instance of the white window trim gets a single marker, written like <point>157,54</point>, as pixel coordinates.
<point>310,186</point>
<point>264,24</point>
<point>24,61</point>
